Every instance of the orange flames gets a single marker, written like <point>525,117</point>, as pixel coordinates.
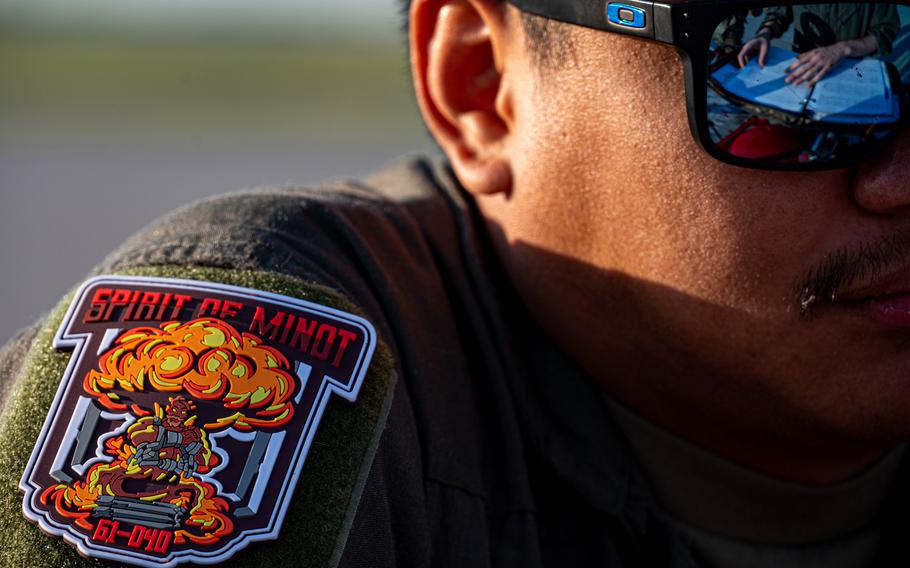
<point>207,519</point>
<point>204,360</point>
<point>208,360</point>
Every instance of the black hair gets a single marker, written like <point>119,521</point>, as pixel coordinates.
<point>548,41</point>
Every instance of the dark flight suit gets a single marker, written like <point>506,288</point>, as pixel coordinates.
<point>497,450</point>
<point>820,25</point>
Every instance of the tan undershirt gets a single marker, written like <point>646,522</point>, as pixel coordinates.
<point>734,517</point>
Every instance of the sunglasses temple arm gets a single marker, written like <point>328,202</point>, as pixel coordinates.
<point>657,24</point>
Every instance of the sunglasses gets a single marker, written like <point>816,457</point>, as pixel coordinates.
<point>771,85</point>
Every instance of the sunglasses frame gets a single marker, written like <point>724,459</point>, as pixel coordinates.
<point>689,26</point>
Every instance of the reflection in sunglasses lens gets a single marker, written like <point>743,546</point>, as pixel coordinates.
<point>808,82</point>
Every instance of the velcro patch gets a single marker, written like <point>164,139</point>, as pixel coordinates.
<point>185,415</point>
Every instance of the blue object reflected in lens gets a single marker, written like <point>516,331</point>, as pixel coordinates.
<point>781,89</point>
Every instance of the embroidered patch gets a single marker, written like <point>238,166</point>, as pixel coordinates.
<point>185,415</point>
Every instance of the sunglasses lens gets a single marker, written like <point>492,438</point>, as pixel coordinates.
<point>808,83</point>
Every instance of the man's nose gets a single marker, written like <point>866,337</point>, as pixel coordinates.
<point>882,184</point>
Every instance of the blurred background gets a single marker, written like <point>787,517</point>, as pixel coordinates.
<point>115,112</point>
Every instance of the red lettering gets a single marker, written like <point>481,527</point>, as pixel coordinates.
<point>137,305</point>
<point>99,301</point>
<point>151,298</point>
<point>94,314</point>
<point>210,305</point>
<point>163,541</point>
<point>230,309</point>
<point>269,329</point>
<point>151,535</point>
<point>164,304</point>
<point>128,313</point>
<point>136,537</point>
<point>106,531</point>
<point>147,304</point>
<point>346,337</point>
<point>121,297</point>
<point>181,301</point>
<point>153,540</point>
<point>287,328</point>
<point>326,333</point>
<point>102,296</point>
<point>309,336</point>
<point>303,334</point>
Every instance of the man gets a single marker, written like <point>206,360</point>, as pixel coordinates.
<point>603,346</point>
<point>825,35</point>
<point>729,35</point>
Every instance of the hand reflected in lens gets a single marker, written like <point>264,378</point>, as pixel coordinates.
<point>757,45</point>
<point>812,66</point>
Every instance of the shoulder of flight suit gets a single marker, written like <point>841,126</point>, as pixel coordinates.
<point>11,357</point>
<point>320,246</point>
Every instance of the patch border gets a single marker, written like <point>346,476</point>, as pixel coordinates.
<point>327,388</point>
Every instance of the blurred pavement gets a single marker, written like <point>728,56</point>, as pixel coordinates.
<point>104,129</point>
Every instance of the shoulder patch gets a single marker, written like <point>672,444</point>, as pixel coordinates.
<point>185,415</point>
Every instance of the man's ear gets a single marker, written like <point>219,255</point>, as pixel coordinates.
<point>457,49</point>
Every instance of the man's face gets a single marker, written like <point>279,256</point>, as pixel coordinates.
<point>674,278</point>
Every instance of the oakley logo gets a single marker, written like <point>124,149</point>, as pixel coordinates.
<point>626,16</point>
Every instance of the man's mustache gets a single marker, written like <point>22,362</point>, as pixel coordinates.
<point>856,266</point>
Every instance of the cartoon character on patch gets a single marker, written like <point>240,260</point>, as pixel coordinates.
<point>175,386</point>
<point>176,437</point>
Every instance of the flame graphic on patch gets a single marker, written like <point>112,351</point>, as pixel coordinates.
<point>206,359</point>
<point>157,479</point>
<point>160,456</point>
